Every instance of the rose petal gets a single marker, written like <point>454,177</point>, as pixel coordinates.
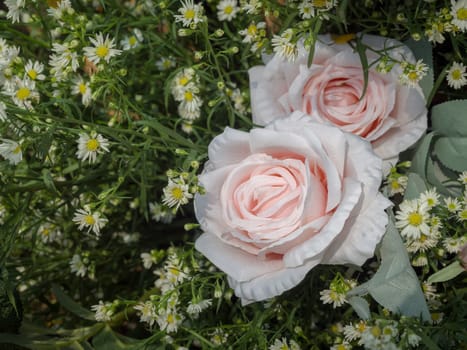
<point>241,266</point>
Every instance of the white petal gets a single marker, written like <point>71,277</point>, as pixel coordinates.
<point>238,264</point>
<point>365,231</point>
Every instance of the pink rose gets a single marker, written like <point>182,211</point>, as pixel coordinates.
<point>391,116</point>
<point>282,199</point>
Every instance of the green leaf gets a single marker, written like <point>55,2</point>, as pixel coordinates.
<point>71,305</point>
<point>313,37</point>
<point>49,181</point>
<point>395,285</point>
<point>421,156</point>
<point>423,50</point>
<point>360,306</point>
<point>449,118</point>
<point>451,151</point>
<point>415,186</point>
<point>448,273</point>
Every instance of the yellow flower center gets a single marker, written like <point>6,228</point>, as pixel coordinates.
<point>132,40</point>
<point>423,238</point>
<point>174,271</point>
<point>17,149</point>
<point>189,14</point>
<point>395,185</point>
<point>188,96</point>
<point>102,51</point>
<point>45,232</point>
<point>53,3</point>
<point>284,347</point>
<point>89,220</point>
<point>184,80</point>
<point>92,145</point>
<point>456,74</point>
<point>228,10</point>
<point>387,331</point>
<point>252,30</point>
<point>415,219</point>
<point>376,331</point>
<point>463,215</point>
<point>23,93</point>
<point>462,14</point>
<point>170,319</point>
<point>32,74</point>
<point>361,326</point>
<point>177,193</point>
<point>82,88</point>
<point>413,76</point>
<point>166,64</point>
<point>341,347</point>
<point>430,202</point>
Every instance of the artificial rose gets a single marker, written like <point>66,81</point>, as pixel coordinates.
<point>391,116</point>
<point>280,200</point>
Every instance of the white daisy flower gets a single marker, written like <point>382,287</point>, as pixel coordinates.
<point>33,70</point>
<point>412,73</point>
<point>284,47</point>
<point>77,266</point>
<point>462,214</point>
<point>81,87</point>
<point>413,218</point>
<point>341,346</point>
<point>15,9</point>
<point>456,75</point>
<point>60,9</point>
<point>103,49</point>
<point>169,320</point>
<point>218,337</point>
<point>103,312</point>
<point>463,177</point>
<point>452,204</point>
<point>23,92</point>
<point>329,296</point>
<point>420,260</point>
<point>253,32</point>
<point>85,219</point>
<point>63,60</point>
<point>165,63</point>
<point>354,331</point>
<point>306,9</point>
<point>133,40</point>
<point>430,198</point>
<point>283,344</point>
<point>49,233</point>
<point>459,14</point>
<point>454,245</point>
<point>176,193</point>
<point>423,243</point>
<point>195,307</point>
<point>160,213</point>
<point>251,7</point>
<point>89,146</point>
<point>227,10</point>
<point>11,151</point>
<point>397,184</point>
<point>187,126</point>
<point>147,312</point>
<point>190,14</point>
<point>149,258</point>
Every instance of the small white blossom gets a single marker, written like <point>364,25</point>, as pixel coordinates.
<point>103,312</point>
<point>284,47</point>
<point>15,9</point>
<point>176,193</point>
<point>413,218</point>
<point>160,213</point>
<point>33,70</point>
<point>147,312</point>
<point>62,8</point>
<point>459,14</point>
<point>102,49</point>
<point>77,266</point>
<point>283,344</point>
<point>84,218</point>
<point>190,14</point>
<point>89,146</point>
<point>169,320</point>
<point>196,307</point>
<point>457,75</point>
<point>413,73</point>
<point>11,151</point>
<point>81,87</point>
<point>133,40</point>
<point>165,63</point>
<point>227,10</point>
